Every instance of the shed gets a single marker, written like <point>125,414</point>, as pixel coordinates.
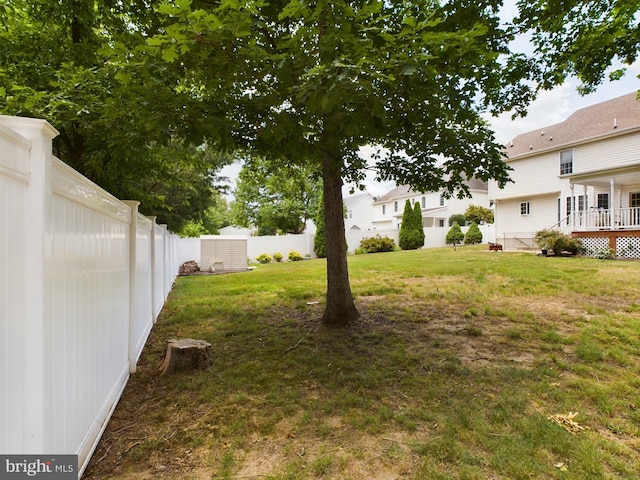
<point>223,253</point>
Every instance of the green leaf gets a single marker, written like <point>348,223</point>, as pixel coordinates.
<point>169,53</point>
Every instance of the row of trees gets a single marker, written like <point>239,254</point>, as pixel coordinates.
<point>146,93</point>
<point>455,236</point>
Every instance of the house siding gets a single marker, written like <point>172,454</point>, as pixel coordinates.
<point>542,214</point>
<point>623,151</point>
<point>530,176</point>
<point>360,213</point>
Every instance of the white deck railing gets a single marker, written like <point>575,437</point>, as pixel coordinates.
<point>606,219</point>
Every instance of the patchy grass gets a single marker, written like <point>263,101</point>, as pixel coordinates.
<point>452,372</point>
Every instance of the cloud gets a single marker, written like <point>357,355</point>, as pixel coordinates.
<point>549,108</point>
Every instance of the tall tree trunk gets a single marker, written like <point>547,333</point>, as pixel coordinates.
<point>340,309</point>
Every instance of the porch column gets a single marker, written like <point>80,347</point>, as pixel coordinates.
<point>612,183</point>
<point>572,219</point>
<point>584,214</point>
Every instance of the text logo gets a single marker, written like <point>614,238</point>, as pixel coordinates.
<point>50,467</point>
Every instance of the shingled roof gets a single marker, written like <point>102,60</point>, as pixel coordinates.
<point>404,191</point>
<point>602,119</point>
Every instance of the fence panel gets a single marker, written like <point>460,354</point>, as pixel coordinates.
<point>158,274</point>
<point>87,330</point>
<point>78,274</point>
<point>14,175</point>
<point>142,284</point>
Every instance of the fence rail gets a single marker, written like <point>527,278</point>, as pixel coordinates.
<point>83,277</point>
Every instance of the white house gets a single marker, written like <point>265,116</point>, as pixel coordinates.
<point>359,212</point>
<point>580,176</point>
<point>436,210</point>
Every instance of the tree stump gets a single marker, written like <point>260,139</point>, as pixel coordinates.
<point>185,354</point>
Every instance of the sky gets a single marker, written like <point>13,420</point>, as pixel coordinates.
<point>549,108</point>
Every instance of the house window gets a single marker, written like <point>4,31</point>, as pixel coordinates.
<point>603,201</point>
<point>441,222</point>
<point>441,200</point>
<point>581,203</point>
<point>384,209</point>
<point>524,208</point>
<point>395,206</point>
<point>559,210</point>
<point>569,209</point>
<point>424,202</point>
<point>566,162</point>
<point>350,213</point>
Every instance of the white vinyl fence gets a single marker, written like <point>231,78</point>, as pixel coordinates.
<point>83,277</point>
<point>303,243</point>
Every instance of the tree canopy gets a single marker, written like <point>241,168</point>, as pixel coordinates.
<point>120,123</point>
<point>275,200</point>
<point>590,39</point>
<point>477,214</point>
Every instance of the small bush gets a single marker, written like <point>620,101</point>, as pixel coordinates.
<point>294,256</point>
<point>474,235</point>
<point>557,242</point>
<point>278,257</point>
<point>361,251</point>
<point>411,239</point>
<point>378,244</point>
<point>264,258</point>
<point>603,253</point>
<point>455,235</point>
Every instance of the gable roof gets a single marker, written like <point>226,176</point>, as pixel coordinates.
<point>352,200</point>
<point>602,119</point>
<point>404,191</point>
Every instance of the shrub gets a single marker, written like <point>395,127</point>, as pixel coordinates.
<point>294,256</point>
<point>602,253</point>
<point>411,235</point>
<point>479,214</point>
<point>557,242</point>
<point>278,257</point>
<point>378,244</point>
<point>361,251</point>
<point>264,258</point>
<point>455,235</point>
<point>458,218</point>
<point>474,235</point>
<point>411,240</point>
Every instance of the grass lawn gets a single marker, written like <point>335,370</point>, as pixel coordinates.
<point>455,371</point>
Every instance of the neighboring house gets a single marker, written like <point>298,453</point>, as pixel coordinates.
<point>359,212</point>
<point>580,176</point>
<point>436,209</point>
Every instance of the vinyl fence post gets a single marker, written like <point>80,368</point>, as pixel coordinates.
<point>133,260</point>
<point>37,432</point>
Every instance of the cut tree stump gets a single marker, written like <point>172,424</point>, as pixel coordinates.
<point>185,354</point>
